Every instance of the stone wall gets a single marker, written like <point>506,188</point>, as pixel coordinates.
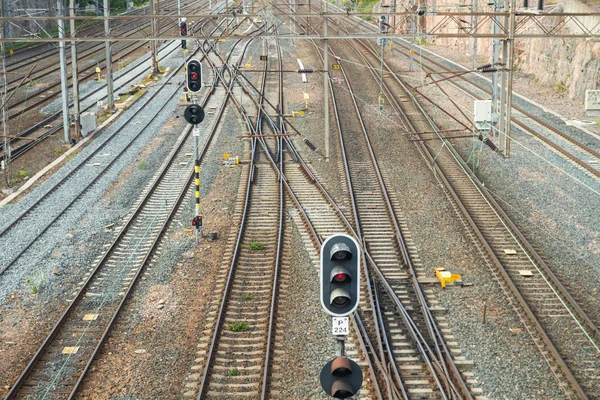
<point>570,65</point>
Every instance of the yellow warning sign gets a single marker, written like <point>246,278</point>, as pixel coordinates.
<point>98,70</point>
<point>336,67</point>
<point>263,58</point>
<point>248,65</point>
<point>412,52</point>
<point>10,52</point>
<point>306,96</point>
<point>226,156</point>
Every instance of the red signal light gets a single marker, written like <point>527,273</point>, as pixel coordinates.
<point>194,75</point>
<point>340,277</point>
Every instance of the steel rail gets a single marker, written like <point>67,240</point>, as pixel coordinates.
<point>529,128</point>
<point>431,324</point>
<point>26,132</point>
<point>28,369</point>
<point>315,238</point>
<point>538,259</point>
<point>72,172</point>
<point>221,312</point>
<point>434,331</point>
<point>19,151</point>
<point>512,287</point>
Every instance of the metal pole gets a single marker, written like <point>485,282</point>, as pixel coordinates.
<point>412,33</point>
<point>179,9</point>
<point>510,61</point>
<point>503,85</point>
<point>63,72</point>
<point>495,45</point>
<point>475,22</point>
<point>326,82</point>
<point>74,77</point>
<point>196,134</point>
<point>109,81</point>
<point>153,42</point>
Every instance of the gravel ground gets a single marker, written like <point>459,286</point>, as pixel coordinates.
<point>551,208</point>
<point>60,256</point>
<point>168,305</point>
<point>307,342</point>
<point>136,70</point>
<point>441,240</point>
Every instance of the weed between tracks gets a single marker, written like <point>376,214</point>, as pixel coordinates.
<point>256,246</point>
<point>238,326</point>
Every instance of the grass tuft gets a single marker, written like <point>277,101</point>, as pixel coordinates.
<point>238,326</point>
<point>232,372</point>
<point>256,246</point>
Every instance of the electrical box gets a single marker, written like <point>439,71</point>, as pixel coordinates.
<point>483,114</point>
<point>592,103</point>
<point>88,123</point>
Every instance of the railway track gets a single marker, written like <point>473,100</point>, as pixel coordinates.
<point>544,303</point>
<point>62,361</point>
<point>583,156</point>
<point>45,220</point>
<point>35,131</point>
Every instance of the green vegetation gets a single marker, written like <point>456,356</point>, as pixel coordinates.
<point>58,150</point>
<point>14,181</point>
<point>35,284</point>
<point>561,87</point>
<point>247,297</point>
<point>232,372</point>
<point>238,326</point>
<point>256,246</point>
<point>142,164</point>
<point>23,173</point>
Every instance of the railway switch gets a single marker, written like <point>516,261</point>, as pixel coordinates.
<point>340,275</point>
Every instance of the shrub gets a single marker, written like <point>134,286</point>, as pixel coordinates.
<point>247,297</point>
<point>232,372</point>
<point>23,173</point>
<point>142,164</point>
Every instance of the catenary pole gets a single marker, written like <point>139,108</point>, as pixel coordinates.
<point>326,81</point>
<point>109,80</point>
<point>63,72</point>
<point>75,78</point>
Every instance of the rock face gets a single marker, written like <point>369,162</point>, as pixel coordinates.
<point>570,65</point>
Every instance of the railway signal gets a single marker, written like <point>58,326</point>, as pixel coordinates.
<point>341,378</point>
<point>194,76</point>
<point>197,222</point>
<point>194,114</point>
<point>340,275</point>
<point>184,31</point>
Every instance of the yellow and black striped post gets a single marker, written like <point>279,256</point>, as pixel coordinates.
<point>198,215</point>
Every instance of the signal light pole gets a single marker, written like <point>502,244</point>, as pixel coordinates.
<point>194,114</point>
